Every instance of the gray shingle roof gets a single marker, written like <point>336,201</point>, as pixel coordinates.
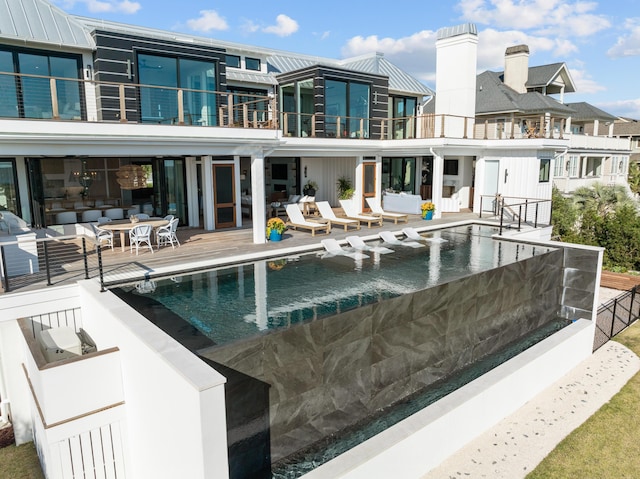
<point>586,112</point>
<point>493,97</point>
<point>39,21</point>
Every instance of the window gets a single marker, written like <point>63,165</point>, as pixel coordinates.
<point>573,166</point>
<point>346,109</point>
<point>594,166</point>
<point>252,64</point>
<point>32,99</point>
<point>160,105</point>
<point>398,173</point>
<point>559,169</point>
<point>451,167</point>
<point>254,100</point>
<point>545,166</point>
<point>404,112</point>
<point>233,61</point>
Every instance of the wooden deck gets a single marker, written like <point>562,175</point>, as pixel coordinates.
<point>623,282</point>
<point>199,250</point>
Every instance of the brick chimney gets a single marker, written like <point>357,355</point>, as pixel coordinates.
<point>516,67</point>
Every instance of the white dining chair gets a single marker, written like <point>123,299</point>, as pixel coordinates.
<point>103,219</point>
<point>102,236</point>
<point>114,213</point>
<point>66,217</point>
<point>167,234</point>
<point>138,235</point>
<point>91,215</point>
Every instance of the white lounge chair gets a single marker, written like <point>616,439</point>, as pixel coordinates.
<point>376,208</point>
<point>412,234</point>
<point>359,245</point>
<point>389,238</point>
<point>327,213</point>
<point>297,220</point>
<point>333,248</point>
<point>351,213</point>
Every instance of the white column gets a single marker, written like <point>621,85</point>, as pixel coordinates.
<point>237,189</point>
<point>436,191</point>
<point>260,290</point>
<point>192,191</point>
<point>207,194</point>
<point>258,199</point>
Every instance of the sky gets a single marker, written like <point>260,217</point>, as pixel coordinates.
<point>598,40</point>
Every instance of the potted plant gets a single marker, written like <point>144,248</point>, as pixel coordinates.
<point>345,188</point>
<point>427,210</point>
<point>310,188</point>
<point>275,228</point>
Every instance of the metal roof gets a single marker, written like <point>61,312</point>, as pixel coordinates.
<point>250,77</point>
<point>40,22</point>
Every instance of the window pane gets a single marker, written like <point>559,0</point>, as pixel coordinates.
<point>252,64</point>
<point>335,106</point>
<point>8,98</point>
<point>158,105</point>
<point>545,165</point>
<point>68,91</point>
<point>359,109</point>
<point>199,106</point>
<point>8,188</point>
<point>233,61</point>
<point>36,91</point>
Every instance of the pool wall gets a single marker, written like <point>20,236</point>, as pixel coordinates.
<point>330,373</point>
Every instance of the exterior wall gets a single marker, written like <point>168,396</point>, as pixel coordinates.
<point>325,172</point>
<point>116,61</point>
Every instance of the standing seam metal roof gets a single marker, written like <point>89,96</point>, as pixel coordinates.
<point>41,22</point>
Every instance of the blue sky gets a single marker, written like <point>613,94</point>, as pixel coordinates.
<point>598,40</point>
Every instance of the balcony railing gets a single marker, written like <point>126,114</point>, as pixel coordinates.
<point>52,98</point>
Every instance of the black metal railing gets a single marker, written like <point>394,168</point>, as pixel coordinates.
<point>616,315</point>
<point>516,212</point>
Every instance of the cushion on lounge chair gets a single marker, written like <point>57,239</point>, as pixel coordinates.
<point>327,213</point>
<point>297,220</point>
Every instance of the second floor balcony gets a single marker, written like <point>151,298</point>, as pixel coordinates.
<point>33,97</point>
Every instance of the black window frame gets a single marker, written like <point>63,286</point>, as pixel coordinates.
<point>257,60</point>
<point>451,167</point>
<point>544,173</point>
<point>236,64</point>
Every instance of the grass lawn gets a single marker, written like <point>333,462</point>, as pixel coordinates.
<point>20,462</point>
<point>607,445</point>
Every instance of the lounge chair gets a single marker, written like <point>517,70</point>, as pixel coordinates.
<point>333,248</point>
<point>351,213</point>
<point>376,208</point>
<point>297,220</point>
<point>412,234</point>
<point>327,213</point>
<point>389,238</point>
<point>359,245</point>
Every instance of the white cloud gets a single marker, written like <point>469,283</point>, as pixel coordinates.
<point>584,83</point>
<point>551,17</point>
<point>284,26</point>
<point>323,35</point>
<point>248,26</point>
<point>627,108</point>
<point>627,45</point>
<point>207,21</point>
<point>104,6</point>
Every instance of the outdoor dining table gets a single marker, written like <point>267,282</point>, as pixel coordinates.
<point>124,226</point>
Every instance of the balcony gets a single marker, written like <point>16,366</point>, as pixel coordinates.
<point>33,97</point>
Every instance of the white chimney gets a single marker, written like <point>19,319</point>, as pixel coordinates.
<point>516,67</point>
<point>456,60</point>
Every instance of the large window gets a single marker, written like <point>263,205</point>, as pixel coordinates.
<point>8,187</point>
<point>196,77</point>
<point>404,121</point>
<point>398,174</point>
<point>255,101</point>
<point>347,109</point>
<point>30,96</point>
<point>594,166</point>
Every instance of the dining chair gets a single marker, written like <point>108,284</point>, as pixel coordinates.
<point>142,216</point>
<point>105,236</point>
<point>167,234</point>
<point>169,217</point>
<point>140,234</point>
<point>103,219</point>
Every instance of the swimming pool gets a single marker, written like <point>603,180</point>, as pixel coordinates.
<point>312,346</point>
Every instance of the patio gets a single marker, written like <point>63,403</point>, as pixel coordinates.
<point>199,249</point>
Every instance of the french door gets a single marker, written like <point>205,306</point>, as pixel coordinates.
<point>224,196</point>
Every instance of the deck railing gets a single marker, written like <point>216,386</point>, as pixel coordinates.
<point>38,97</point>
<point>516,212</point>
<point>615,315</point>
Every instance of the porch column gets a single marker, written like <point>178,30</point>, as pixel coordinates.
<point>192,191</point>
<point>436,191</point>
<point>207,194</point>
<point>258,199</point>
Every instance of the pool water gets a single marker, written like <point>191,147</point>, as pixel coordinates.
<point>233,303</point>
